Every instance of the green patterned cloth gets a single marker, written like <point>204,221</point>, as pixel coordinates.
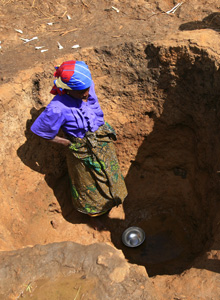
<point>96,181</point>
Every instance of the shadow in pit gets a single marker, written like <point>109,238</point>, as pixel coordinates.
<point>173,183</point>
<point>210,22</point>
<point>49,159</point>
<point>156,181</point>
<point>163,201</point>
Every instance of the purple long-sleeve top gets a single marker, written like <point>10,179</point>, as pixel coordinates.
<point>74,116</point>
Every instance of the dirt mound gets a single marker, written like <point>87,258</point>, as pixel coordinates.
<point>56,272</point>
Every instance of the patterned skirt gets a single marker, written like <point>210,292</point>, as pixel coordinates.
<point>97,184</point>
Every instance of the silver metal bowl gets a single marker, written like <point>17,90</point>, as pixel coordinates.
<point>133,237</point>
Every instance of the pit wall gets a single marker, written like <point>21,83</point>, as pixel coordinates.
<point>162,99</point>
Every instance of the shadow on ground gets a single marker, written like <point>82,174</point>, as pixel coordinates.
<point>210,22</point>
<point>49,159</point>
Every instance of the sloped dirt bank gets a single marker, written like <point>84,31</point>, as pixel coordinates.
<point>162,99</point>
<point>71,271</point>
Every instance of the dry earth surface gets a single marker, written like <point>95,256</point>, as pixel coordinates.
<point>157,78</point>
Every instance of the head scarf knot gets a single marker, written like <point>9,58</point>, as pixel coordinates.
<point>71,75</point>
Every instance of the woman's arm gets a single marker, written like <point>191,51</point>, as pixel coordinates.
<point>60,140</point>
<point>48,124</point>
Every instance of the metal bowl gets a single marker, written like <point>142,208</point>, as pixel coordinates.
<point>133,237</point>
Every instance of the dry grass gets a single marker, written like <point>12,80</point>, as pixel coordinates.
<point>5,2</point>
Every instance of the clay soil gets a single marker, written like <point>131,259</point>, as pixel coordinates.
<point>92,24</point>
<point>157,79</point>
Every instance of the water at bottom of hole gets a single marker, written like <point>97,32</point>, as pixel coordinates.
<point>166,249</point>
<point>75,286</point>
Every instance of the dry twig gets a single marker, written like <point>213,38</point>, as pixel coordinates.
<point>44,19</point>
<point>173,10</point>
<point>46,15</point>
<point>84,4</point>
<point>55,30</point>
<point>33,3</point>
<point>4,2</point>
<point>77,293</point>
<point>68,31</point>
<point>63,14</point>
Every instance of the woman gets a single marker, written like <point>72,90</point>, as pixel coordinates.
<point>96,181</point>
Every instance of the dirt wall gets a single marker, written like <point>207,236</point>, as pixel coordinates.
<point>162,102</point>
<point>162,99</point>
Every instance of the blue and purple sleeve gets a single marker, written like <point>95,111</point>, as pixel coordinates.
<point>48,124</point>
